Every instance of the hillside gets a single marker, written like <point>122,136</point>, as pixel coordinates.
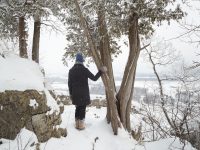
<point>21,74</point>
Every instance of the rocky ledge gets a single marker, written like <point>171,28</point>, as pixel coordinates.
<point>19,109</point>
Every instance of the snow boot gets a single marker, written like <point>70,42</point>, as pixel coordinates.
<point>81,124</point>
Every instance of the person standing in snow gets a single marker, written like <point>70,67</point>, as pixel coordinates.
<point>79,89</point>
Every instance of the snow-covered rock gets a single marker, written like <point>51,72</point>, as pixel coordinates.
<point>25,102</point>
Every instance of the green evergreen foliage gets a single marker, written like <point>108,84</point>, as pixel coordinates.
<point>117,14</point>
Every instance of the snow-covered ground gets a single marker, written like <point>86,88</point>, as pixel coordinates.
<point>98,135</point>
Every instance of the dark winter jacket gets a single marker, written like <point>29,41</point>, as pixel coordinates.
<point>78,84</point>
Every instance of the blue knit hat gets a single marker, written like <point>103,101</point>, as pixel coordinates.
<point>79,58</point>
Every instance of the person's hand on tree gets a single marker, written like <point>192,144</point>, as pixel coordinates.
<point>103,69</point>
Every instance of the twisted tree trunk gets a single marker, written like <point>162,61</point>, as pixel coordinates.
<point>125,93</point>
<point>105,53</point>
<point>118,106</point>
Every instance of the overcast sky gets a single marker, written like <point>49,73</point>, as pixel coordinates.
<point>53,44</point>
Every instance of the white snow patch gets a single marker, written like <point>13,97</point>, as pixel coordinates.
<point>20,74</point>
<point>33,103</point>
<point>168,144</point>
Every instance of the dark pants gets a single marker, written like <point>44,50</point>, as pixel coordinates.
<point>80,112</point>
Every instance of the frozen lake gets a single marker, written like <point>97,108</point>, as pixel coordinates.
<point>59,85</point>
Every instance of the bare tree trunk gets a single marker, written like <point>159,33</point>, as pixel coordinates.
<point>113,114</point>
<point>22,38</point>
<point>36,39</point>
<point>125,93</point>
<point>105,54</point>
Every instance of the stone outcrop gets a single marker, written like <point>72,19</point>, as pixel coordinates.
<point>28,109</point>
